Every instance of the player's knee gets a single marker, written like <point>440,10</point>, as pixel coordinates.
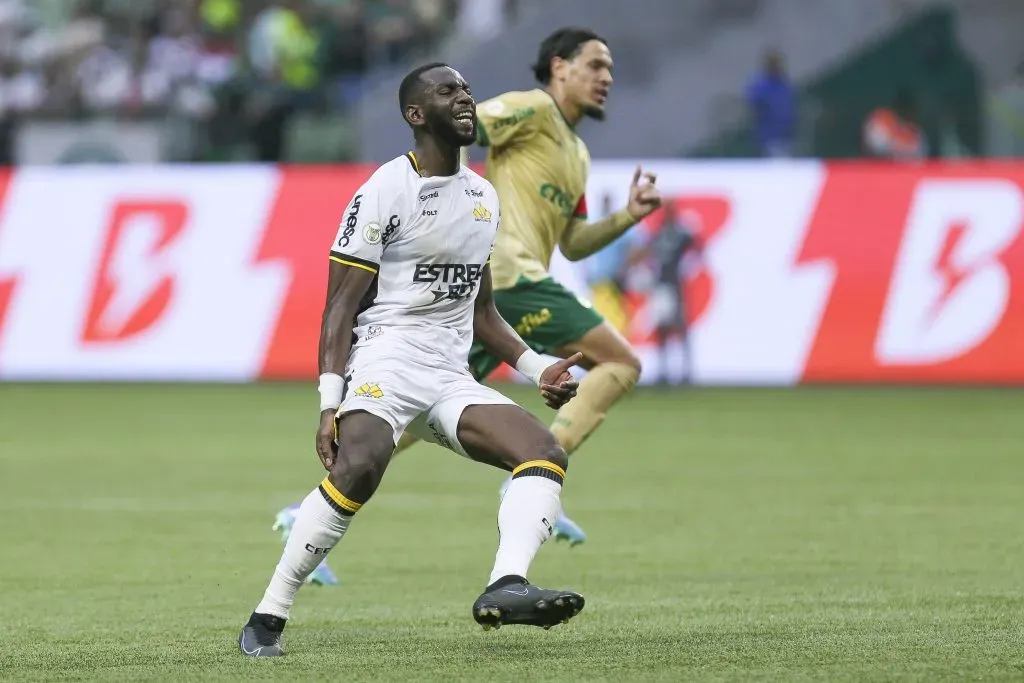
<point>625,368</point>
<point>550,450</point>
<point>358,472</point>
<point>538,445</point>
<point>556,455</point>
<point>632,361</point>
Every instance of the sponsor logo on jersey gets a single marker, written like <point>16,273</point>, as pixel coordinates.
<point>565,202</point>
<point>368,390</point>
<point>474,193</point>
<point>350,222</point>
<point>439,436</point>
<point>431,195</point>
<point>512,119</point>
<point>374,331</point>
<point>481,213</point>
<point>429,212</point>
<point>389,231</point>
<point>453,280</point>
<point>531,321</point>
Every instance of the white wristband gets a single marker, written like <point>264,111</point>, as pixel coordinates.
<point>532,364</point>
<point>331,388</point>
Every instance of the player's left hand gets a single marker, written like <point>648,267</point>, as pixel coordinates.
<point>644,198</point>
<point>557,385</point>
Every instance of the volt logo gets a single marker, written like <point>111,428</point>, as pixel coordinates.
<point>134,283</point>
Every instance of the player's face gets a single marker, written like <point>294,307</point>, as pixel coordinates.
<point>588,78</point>
<point>449,111</point>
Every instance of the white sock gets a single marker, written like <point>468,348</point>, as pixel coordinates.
<point>504,487</point>
<point>318,528</point>
<point>527,511</point>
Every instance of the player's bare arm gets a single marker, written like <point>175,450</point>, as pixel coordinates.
<point>557,386</point>
<point>346,287</point>
<point>582,239</point>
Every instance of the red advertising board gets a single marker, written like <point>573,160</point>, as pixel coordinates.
<point>810,272</point>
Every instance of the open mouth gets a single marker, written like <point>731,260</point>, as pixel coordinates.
<point>601,96</point>
<point>464,117</point>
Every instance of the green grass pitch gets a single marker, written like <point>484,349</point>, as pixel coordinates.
<point>812,534</point>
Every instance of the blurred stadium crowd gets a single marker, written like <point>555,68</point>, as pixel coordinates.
<point>288,80</point>
<point>231,70</point>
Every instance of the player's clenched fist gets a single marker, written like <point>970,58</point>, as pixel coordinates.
<point>325,446</point>
<point>644,197</point>
<point>557,386</point>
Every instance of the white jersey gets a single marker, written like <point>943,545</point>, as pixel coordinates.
<point>427,240</point>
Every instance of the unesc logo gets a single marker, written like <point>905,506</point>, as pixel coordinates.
<point>350,222</point>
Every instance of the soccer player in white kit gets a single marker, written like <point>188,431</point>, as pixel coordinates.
<point>409,288</point>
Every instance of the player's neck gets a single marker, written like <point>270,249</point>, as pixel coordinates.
<point>572,113</point>
<point>435,158</point>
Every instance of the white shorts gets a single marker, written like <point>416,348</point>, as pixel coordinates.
<point>412,386</point>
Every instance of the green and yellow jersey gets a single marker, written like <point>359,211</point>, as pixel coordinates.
<point>539,167</point>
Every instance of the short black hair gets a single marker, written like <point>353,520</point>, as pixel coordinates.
<point>412,84</point>
<point>564,43</point>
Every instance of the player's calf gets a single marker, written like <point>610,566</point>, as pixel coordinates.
<point>509,437</point>
<point>613,371</point>
<point>323,518</point>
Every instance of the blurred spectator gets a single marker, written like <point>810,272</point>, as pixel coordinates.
<point>669,256</point>
<point>893,132</point>
<point>773,103</point>
<point>344,45</point>
<point>1006,119</point>
<point>22,92</point>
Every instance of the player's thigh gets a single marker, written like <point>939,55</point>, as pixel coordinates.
<point>365,444</point>
<point>601,344</point>
<point>385,392</point>
<point>483,424</point>
<point>506,436</point>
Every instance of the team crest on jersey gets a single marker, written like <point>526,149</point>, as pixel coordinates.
<point>481,213</point>
<point>372,233</point>
<point>368,391</point>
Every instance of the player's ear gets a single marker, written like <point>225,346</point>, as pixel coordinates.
<point>414,115</point>
<point>559,69</point>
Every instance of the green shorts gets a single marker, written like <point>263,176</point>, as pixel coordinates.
<point>545,314</point>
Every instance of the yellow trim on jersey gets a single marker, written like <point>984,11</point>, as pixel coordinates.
<point>338,498</point>
<point>414,160</point>
<point>354,264</point>
<point>542,464</point>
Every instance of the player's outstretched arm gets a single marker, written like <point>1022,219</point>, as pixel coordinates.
<point>582,239</point>
<point>557,386</point>
<point>346,287</point>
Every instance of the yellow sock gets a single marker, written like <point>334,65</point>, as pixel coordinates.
<point>602,387</point>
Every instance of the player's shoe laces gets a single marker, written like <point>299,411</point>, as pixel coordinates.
<point>261,637</point>
<point>567,530</point>
<point>285,520</point>
<point>512,600</point>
